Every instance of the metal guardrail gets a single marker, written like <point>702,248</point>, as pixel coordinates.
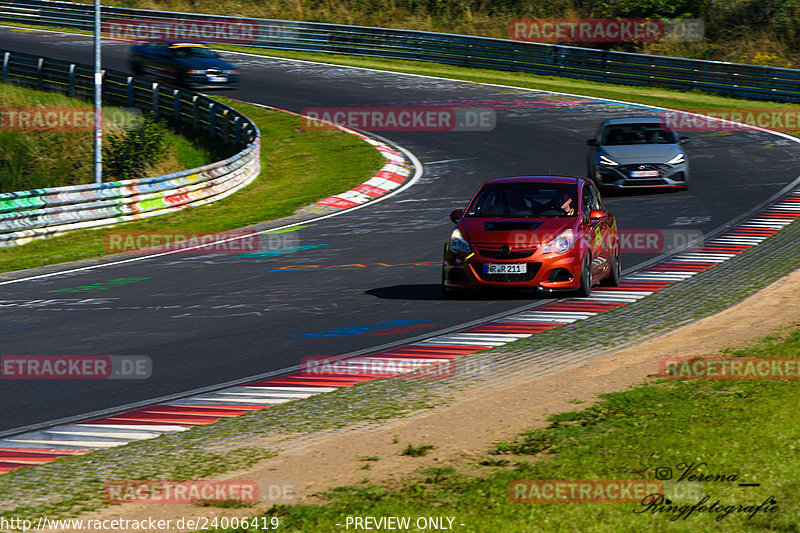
<point>732,79</point>
<point>29,214</point>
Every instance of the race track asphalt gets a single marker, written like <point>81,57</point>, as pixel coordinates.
<point>205,320</point>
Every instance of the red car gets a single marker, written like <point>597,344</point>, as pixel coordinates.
<point>548,233</point>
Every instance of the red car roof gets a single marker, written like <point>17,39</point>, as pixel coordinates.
<point>536,179</point>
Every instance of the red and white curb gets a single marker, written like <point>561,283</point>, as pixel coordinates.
<point>46,445</point>
<point>390,177</point>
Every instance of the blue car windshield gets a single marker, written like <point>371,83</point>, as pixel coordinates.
<point>525,200</point>
<point>637,133</point>
<point>192,51</point>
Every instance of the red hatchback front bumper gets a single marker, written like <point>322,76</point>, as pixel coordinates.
<point>550,271</point>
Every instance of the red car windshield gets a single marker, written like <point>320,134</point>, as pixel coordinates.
<point>525,200</point>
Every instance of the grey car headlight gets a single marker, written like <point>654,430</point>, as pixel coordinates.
<point>607,161</point>
<point>680,158</point>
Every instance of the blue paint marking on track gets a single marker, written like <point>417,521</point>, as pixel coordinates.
<point>281,251</point>
<point>350,331</point>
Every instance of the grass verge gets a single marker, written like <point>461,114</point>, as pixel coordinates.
<point>38,159</point>
<point>701,427</point>
<point>298,167</point>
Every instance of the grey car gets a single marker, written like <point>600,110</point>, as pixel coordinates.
<point>637,152</point>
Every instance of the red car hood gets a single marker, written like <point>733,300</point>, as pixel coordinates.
<point>516,232</point>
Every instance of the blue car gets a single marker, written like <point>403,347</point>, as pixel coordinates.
<point>190,65</point>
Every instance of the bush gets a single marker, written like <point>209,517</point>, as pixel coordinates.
<point>128,155</point>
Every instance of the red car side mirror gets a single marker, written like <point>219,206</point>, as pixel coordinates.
<point>596,214</point>
<point>455,215</point>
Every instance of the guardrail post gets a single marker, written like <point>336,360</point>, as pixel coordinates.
<point>195,117</point>
<point>212,120</point>
<point>40,73</point>
<point>155,98</point>
<point>71,90</point>
<point>6,62</point>
<point>176,105</point>
<point>237,129</point>
<point>131,98</point>
<point>226,122</point>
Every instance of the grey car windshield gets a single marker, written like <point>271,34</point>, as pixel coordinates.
<point>637,133</point>
<point>525,200</point>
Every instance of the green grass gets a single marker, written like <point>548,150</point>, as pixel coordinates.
<point>37,159</point>
<point>417,451</point>
<point>746,429</point>
<point>298,167</point>
<point>231,503</point>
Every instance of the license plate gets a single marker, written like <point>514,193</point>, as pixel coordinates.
<point>217,79</point>
<point>644,173</point>
<point>493,268</point>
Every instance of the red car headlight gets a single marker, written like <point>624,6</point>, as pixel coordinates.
<point>458,244</point>
<point>561,244</point>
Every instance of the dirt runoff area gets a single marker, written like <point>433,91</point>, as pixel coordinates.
<point>465,430</point>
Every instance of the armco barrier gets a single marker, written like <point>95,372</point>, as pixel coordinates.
<point>747,81</point>
<point>30,214</point>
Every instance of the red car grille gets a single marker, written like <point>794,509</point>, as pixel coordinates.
<point>498,254</point>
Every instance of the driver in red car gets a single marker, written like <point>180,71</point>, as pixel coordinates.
<point>565,203</point>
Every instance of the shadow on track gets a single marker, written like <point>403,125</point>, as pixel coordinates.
<point>433,292</point>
